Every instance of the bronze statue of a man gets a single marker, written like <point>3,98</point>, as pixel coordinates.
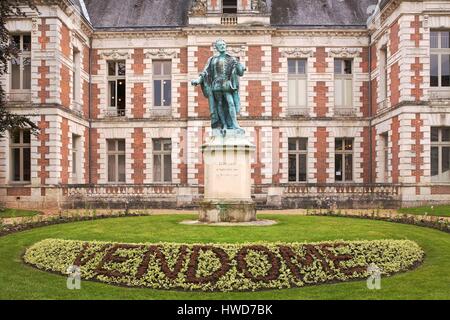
<point>220,85</point>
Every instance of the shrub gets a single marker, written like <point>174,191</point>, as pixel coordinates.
<point>224,267</point>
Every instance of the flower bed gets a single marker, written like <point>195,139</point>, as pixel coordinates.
<point>224,267</point>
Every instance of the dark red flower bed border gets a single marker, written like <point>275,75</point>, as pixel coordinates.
<point>224,267</point>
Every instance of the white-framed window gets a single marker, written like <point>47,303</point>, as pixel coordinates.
<point>162,83</point>
<point>343,85</point>
<point>298,154</point>
<point>162,160</point>
<point>440,154</point>
<point>116,160</point>
<point>297,86</point>
<point>385,153</point>
<point>117,86</point>
<point>76,76</point>
<point>76,149</point>
<point>440,58</point>
<point>229,6</point>
<point>20,155</point>
<point>21,65</point>
<point>343,164</point>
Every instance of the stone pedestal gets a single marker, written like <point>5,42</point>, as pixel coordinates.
<point>227,160</point>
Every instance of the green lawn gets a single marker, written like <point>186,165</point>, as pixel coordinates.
<point>430,281</point>
<point>13,213</point>
<point>441,211</point>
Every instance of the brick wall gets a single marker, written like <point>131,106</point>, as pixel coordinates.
<point>394,86</point>
<point>138,156</point>
<point>138,101</point>
<point>65,86</point>
<point>321,154</point>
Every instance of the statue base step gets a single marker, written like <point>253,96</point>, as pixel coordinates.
<point>227,211</point>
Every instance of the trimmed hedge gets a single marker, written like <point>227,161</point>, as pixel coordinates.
<point>224,267</point>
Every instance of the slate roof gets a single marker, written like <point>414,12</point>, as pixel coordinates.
<point>125,14</point>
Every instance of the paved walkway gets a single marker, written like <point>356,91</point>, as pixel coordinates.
<point>49,214</point>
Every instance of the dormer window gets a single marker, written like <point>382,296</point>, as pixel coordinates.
<point>229,6</point>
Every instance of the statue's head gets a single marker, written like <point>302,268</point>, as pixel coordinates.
<point>220,45</point>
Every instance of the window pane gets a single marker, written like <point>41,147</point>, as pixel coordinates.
<point>111,68</point>
<point>15,155</point>
<point>337,66</point>
<point>302,167</point>
<point>434,161</point>
<point>301,93</point>
<point>157,168</point>
<point>338,167</point>
<point>348,93</point>
<point>434,78</point>
<point>157,145</point>
<point>112,93</point>
<point>445,43</point>
<point>445,67</point>
<point>15,136</point>
<point>121,168</point>
<point>303,144</point>
<point>16,40</point>
<point>292,91</point>
<point>121,67</point>
<point>301,66</point>
<point>26,164</point>
<point>111,168</point>
<point>292,66</point>
<point>111,145</point>
<point>74,162</point>
<point>26,136</point>
<point>167,168</point>
<point>434,134</point>
<point>338,92</point>
<point>348,144</point>
<point>167,92</point>
<point>26,43</point>
<point>292,144</point>
<point>339,144</point>
<point>121,145</point>
<point>157,93</point>
<point>292,168</point>
<point>167,68</point>
<point>26,73</point>
<point>445,164</point>
<point>157,67</point>
<point>15,73</point>
<point>348,167</point>
<point>348,66</point>
<point>434,39</point>
<point>167,146</point>
<point>121,87</point>
<point>445,134</point>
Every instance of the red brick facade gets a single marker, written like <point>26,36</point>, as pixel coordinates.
<point>138,156</point>
<point>255,54</point>
<point>138,100</point>
<point>321,154</point>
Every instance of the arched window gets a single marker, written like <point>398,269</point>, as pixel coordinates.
<point>229,6</point>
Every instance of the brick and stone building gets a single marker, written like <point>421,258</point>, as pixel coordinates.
<point>345,100</point>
